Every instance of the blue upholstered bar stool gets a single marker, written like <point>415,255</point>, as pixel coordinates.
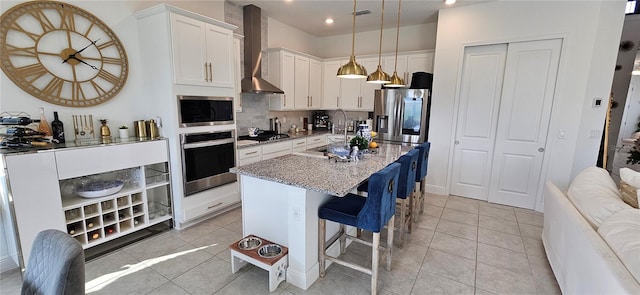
<point>423,161</point>
<point>370,213</point>
<point>408,169</point>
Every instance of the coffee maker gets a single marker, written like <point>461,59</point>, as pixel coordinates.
<point>320,120</point>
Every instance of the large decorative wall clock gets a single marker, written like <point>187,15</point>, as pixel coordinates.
<point>61,54</point>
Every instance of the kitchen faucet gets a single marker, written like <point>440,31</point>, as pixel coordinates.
<point>345,125</point>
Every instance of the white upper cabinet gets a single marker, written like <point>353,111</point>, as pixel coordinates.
<point>331,84</point>
<point>357,94</point>
<point>409,63</point>
<point>237,66</point>
<point>315,84</point>
<point>301,82</point>
<point>281,71</point>
<point>299,76</point>
<point>202,53</point>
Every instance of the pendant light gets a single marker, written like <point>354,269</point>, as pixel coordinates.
<point>396,81</point>
<point>352,69</point>
<point>379,76</point>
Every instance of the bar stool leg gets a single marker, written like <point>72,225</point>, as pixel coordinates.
<point>403,217</point>
<point>423,186</point>
<point>391,224</point>
<point>343,238</point>
<point>411,199</point>
<point>374,259</point>
<point>322,227</point>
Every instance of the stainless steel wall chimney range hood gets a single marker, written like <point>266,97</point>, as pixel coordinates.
<point>253,82</point>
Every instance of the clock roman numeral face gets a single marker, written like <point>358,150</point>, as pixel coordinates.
<point>61,54</point>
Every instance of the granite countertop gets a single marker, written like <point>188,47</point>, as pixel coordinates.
<point>249,143</point>
<point>323,175</point>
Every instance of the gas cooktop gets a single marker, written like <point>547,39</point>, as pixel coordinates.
<point>265,136</point>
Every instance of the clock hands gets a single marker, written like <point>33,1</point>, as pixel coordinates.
<point>84,62</point>
<point>74,54</point>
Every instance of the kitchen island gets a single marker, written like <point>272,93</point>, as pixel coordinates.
<point>281,197</point>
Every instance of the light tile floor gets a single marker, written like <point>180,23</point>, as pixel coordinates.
<point>459,246</point>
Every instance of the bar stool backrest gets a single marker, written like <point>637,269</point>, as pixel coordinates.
<point>423,160</point>
<point>380,205</point>
<point>408,167</point>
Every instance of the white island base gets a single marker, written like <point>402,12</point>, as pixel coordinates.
<point>287,215</point>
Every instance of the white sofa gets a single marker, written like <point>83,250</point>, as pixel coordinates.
<point>582,261</point>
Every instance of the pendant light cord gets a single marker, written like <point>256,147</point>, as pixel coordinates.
<point>397,36</point>
<point>353,34</point>
<point>381,27</point>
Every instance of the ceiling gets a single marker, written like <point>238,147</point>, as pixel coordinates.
<point>309,15</point>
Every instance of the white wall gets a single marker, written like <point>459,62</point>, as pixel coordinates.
<point>283,35</point>
<point>591,33</point>
<point>418,37</point>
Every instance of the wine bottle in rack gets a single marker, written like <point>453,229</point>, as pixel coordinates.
<point>57,128</point>
<point>89,224</point>
<point>17,121</point>
<point>71,229</point>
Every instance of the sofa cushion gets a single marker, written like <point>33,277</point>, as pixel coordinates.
<point>629,186</point>
<point>595,195</point>
<point>621,231</point>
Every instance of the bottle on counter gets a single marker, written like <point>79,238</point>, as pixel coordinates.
<point>57,128</point>
<point>43,127</point>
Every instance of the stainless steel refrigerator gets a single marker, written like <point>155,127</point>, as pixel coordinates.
<point>402,115</point>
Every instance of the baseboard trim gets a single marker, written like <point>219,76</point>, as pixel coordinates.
<point>7,264</point>
<point>436,189</point>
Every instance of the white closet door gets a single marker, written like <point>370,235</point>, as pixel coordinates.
<point>481,87</point>
<point>523,122</point>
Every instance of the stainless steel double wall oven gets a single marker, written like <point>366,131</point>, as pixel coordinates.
<point>206,156</point>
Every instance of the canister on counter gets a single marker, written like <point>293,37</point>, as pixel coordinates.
<point>152,129</point>
<point>140,129</point>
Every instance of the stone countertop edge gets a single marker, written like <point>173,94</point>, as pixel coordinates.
<point>76,144</point>
<point>322,175</point>
<point>292,136</point>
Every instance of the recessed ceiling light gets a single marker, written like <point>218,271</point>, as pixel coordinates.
<point>449,2</point>
<point>328,21</point>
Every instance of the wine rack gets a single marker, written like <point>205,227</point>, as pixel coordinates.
<point>145,200</point>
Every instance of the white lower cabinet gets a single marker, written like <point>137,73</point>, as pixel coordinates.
<point>316,141</point>
<point>299,145</point>
<point>273,150</point>
<point>249,155</point>
<point>45,187</point>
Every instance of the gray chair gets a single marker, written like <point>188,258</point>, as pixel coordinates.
<point>56,265</point>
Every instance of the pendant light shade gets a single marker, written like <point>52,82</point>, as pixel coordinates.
<point>379,76</point>
<point>396,81</point>
<point>352,69</point>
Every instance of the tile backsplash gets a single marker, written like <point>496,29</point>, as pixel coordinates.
<point>256,113</point>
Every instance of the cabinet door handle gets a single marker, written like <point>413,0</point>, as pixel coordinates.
<point>337,101</point>
<point>310,100</point>
<point>210,73</point>
<point>284,100</point>
<point>206,73</point>
<point>213,206</point>
<point>251,153</point>
<point>299,143</point>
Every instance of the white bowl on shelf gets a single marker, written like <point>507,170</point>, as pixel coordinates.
<point>100,188</point>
